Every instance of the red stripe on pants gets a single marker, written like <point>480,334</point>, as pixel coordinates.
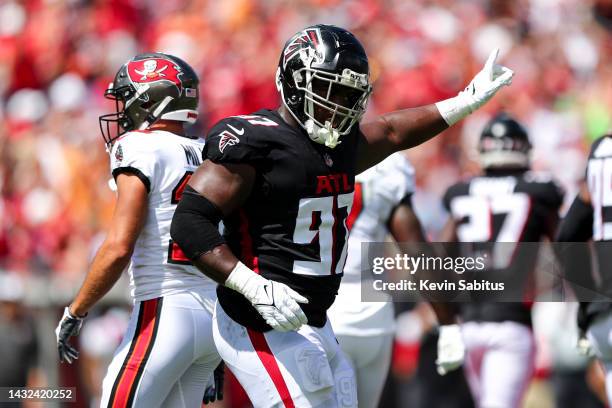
<point>269,362</point>
<point>143,340</point>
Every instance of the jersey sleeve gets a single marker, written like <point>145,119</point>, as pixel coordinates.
<point>134,154</point>
<point>394,179</point>
<point>387,185</point>
<point>234,140</point>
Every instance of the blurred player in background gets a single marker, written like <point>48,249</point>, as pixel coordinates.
<point>19,344</point>
<point>98,340</point>
<point>507,204</point>
<point>382,205</point>
<point>590,217</point>
<point>283,181</point>
<point>167,354</point>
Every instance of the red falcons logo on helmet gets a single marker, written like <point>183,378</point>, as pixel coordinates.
<point>153,70</point>
<point>227,139</point>
<point>307,38</point>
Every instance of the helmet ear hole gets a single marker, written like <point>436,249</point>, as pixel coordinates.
<point>147,105</point>
<point>125,123</point>
<point>294,100</point>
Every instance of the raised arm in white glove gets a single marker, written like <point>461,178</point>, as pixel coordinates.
<point>276,302</point>
<point>482,88</point>
<point>451,350</point>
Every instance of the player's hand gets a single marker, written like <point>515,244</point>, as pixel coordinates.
<point>482,88</point>
<point>276,302</point>
<point>583,345</point>
<point>487,82</point>
<point>451,350</point>
<point>214,389</point>
<point>68,326</point>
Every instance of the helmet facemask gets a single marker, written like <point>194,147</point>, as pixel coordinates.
<point>333,103</point>
<point>123,96</point>
<point>504,158</point>
<point>323,78</point>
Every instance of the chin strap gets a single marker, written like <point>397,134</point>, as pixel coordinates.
<point>327,135</point>
<point>156,113</point>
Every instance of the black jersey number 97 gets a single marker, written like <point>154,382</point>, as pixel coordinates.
<point>322,220</point>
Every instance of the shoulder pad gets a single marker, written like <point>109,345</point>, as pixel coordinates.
<point>133,152</point>
<point>236,140</point>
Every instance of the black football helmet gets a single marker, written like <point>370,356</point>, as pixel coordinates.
<point>323,77</point>
<point>147,88</point>
<point>504,144</point>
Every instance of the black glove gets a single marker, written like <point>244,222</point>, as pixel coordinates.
<point>214,391</point>
<point>69,326</point>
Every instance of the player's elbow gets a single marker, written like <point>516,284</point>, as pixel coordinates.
<point>389,131</point>
<point>195,224</point>
<point>119,250</point>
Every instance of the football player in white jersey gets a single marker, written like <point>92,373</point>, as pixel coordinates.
<point>382,205</point>
<point>167,355</point>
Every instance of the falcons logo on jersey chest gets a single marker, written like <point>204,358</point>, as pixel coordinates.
<point>227,139</point>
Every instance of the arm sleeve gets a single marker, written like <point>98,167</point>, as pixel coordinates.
<point>195,225</point>
<point>132,154</point>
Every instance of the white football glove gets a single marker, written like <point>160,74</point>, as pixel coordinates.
<point>276,302</point>
<point>482,88</point>
<point>451,350</point>
<point>584,346</point>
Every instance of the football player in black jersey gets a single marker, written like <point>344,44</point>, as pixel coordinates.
<point>590,217</point>
<point>282,181</point>
<point>507,204</point>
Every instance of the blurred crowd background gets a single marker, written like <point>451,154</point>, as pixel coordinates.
<point>58,56</point>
